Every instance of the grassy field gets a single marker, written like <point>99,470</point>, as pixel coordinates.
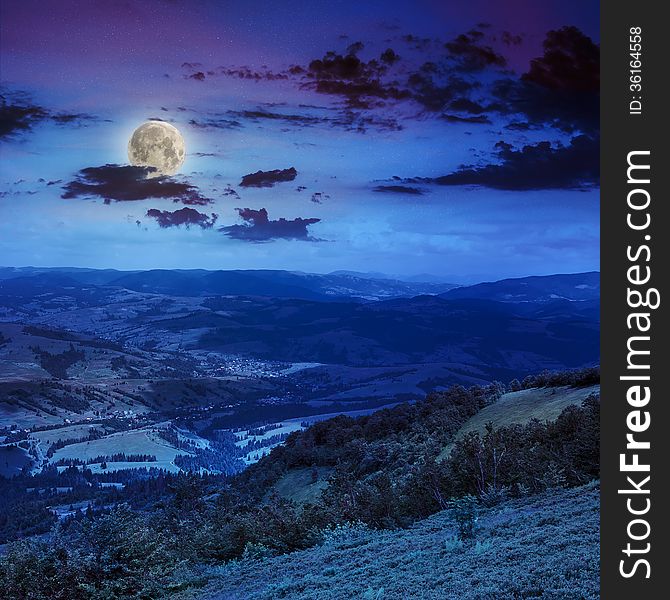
<point>73,432</point>
<point>544,404</point>
<point>138,441</point>
<point>543,546</point>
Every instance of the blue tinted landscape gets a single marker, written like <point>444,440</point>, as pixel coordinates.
<point>347,348</point>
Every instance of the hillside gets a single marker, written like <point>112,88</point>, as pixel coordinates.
<point>308,509</point>
<point>544,546</point>
<point>544,404</point>
<point>312,456</point>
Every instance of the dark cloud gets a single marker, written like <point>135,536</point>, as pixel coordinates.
<point>398,189</point>
<point>319,197</point>
<point>571,61</point>
<point>467,105</point>
<point>389,56</point>
<point>230,191</point>
<point>362,93</point>
<point>184,216</point>
<point>561,88</point>
<point>479,119</point>
<point>268,178</point>
<point>15,118</point>
<point>125,183</point>
<point>434,91</point>
<point>249,73</point>
<point>459,80</point>
<point>196,72</point>
<point>361,122</point>
<point>415,42</point>
<point>359,82</point>
<point>355,48</point>
<point>471,54</point>
<point>258,115</point>
<point>521,126</point>
<point>511,39</point>
<point>18,114</point>
<point>259,228</point>
<point>74,118</point>
<point>215,123</point>
<point>535,167</point>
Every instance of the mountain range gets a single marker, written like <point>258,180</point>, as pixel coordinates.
<point>307,286</point>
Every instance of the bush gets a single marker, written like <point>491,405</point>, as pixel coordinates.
<point>493,495</point>
<point>464,512</point>
<point>453,543</point>
<point>343,535</point>
<point>256,551</point>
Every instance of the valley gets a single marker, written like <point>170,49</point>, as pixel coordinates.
<point>129,356</point>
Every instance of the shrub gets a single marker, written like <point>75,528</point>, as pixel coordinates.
<point>344,534</point>
<point>254,551</point>
<point>493,495</point>
<point>464,512</point>
<point>453,543</point>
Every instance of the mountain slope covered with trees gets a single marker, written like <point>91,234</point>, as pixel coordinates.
<point>377,472</point>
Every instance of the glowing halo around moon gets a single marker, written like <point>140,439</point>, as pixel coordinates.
<point>159,145</point>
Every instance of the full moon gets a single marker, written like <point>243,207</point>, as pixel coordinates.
<point>159,145</point>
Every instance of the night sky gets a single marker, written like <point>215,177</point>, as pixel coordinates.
<point>458,139</point>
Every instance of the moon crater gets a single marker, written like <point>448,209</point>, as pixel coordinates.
<point>159,145</point>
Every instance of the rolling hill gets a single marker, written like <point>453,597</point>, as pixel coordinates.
<point>574,287</point>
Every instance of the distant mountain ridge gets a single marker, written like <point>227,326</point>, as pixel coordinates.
<point>268,283</point>
<point>337,285</point>
<point>573,287</point>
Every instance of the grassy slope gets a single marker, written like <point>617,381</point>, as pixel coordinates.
<point>297,485</point>
<point>514,407</point>
<point>544,404</point>
<point>543,546</point>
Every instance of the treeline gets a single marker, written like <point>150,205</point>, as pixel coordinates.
<point>258,431</point>
<point>105,458</point>
<point>574,378</point>
<point>252,445</point>
<point>93,434</point>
